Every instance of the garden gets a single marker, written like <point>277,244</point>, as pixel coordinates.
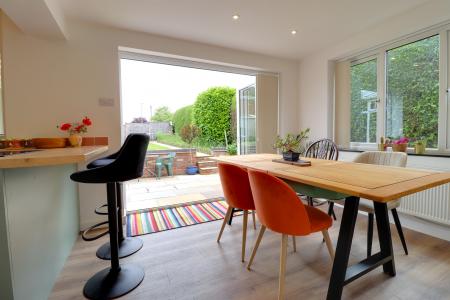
<point>210,122</point>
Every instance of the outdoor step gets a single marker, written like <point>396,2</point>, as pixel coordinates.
<point>207,163</point>
<point>208,170</point>
<point>204,158</point>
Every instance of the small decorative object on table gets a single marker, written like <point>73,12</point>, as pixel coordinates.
<point>292,145</point>
<point>400,145</point>
<point>419,146</point>
<point>75,130</point>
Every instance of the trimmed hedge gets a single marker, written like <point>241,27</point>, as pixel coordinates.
<point>212,114</point>
<point>182,117</point>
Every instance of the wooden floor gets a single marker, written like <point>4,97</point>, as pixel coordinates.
<point>188,263</point>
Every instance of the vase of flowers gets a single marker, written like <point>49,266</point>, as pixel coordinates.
<point>292,145</point>
<point>400,145</point>
<point>75,130</point>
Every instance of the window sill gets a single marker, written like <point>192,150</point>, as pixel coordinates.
<point>410,151</point>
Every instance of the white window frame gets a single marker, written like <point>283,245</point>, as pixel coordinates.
<point>444,86</point>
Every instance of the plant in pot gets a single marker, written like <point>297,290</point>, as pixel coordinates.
<point>292,145</point>
<point>188,134</point>
<point>400,145</point>
<point>420,145</point>
<point>75,130</point>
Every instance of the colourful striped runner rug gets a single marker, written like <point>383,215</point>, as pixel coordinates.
<point>166,218</point>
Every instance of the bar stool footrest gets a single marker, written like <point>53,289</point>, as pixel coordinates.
<point>89,239</point>
<point>102,213</point>
<point>128,246</point>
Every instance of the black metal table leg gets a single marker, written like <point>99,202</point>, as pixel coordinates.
<point>233,210</point>
<point>343,247</point>
<point>384,236</point>
<point>127,245</point>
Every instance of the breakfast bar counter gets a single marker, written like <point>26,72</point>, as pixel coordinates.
<point>39,217</point>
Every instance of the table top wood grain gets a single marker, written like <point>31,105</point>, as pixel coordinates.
<point>375,182</point>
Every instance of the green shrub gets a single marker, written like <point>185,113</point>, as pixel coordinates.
<point>212,114</point>
<point>182,117</point>
<point>232,149</point>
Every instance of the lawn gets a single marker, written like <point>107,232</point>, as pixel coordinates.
<point>175,140</point>
<point>153,146</point>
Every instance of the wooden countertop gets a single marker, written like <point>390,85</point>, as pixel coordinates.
<point>375,182</point>
<point>50,157</point>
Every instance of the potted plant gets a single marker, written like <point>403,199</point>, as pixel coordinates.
<point>400,145</point>
<point>188,134</point>
<point>232,149</point>
<point>420,145</point>
<point>292,145</point>
<point>75,130</point>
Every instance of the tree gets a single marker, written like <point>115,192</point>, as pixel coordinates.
<point>162,114</point>
<point>188,134</point>
<point>212,114</point>
<point>182,117</point>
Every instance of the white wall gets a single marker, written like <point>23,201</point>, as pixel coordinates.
<point>47,82</point>
<point>315,87</point>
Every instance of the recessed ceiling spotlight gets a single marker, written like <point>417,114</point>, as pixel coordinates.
<point>235,17</point>
<point>293,32</point>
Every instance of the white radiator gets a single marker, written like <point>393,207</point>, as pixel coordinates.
<point>432,204</point>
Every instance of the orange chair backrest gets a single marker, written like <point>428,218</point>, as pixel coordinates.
<point>277,205</point>
<point>236,186</point>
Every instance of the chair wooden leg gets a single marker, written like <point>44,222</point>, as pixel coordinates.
<point>399,229</point>
<point>369,234</point>
<point>294,242</point>
<point>244,234</point>
<point>225,220</point>
<point>254,219</point>
<point>327,239</point>
<point>283,254</point>
<point>255,248</point>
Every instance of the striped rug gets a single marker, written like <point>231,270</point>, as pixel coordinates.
<point>166,218</point>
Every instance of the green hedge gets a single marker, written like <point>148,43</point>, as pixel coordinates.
<point>182,117</point>
<point>212,114</point>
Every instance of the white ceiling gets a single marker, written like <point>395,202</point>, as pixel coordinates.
<point>264,25</point>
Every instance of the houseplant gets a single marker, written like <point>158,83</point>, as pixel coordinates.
<point>188,134</point>
<point>400,145</point>
<point>292,145</point>
<point>75,130</point>
<point>419,146</point>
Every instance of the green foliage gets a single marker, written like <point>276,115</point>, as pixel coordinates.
<point>412,90</point>
<point>189,133</point>
<point>176,141</point>
<point>291,142</point>
<point>182,117</point>
<point>232,149</point>
<point>212,114</point>
<point>162,114</point>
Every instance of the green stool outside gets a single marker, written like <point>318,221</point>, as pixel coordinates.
<point>166,161</point>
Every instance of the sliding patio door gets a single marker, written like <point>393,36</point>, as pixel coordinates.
<point>247,120</point>
<point>257,109</point>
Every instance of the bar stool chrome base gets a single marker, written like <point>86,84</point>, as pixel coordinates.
<point>108,284</point>
<point>127,247</point>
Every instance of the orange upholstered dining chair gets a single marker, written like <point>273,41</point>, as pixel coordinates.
<point>238,195</point>
<point>280,210</point>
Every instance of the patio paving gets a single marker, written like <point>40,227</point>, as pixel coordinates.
<point>148,193</point>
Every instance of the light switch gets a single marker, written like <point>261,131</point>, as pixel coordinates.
<point>106,101</point>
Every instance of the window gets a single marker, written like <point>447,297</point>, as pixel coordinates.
<point>412,91</point>
<point>399,91</point>
<point>364,97</point>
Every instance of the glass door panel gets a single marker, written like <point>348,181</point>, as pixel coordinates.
<point>247,120</point>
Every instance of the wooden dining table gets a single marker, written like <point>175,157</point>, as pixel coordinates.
<point>350,181</point>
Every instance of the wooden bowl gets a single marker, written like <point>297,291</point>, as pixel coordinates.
<point>49,143</point>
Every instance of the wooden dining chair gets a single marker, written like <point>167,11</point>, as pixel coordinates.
<point>280,210</point>
<point>238,195</point>
<point>323,149</point>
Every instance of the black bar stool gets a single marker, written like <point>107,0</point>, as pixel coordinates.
<point>127,245</point>
<point>117,280</point>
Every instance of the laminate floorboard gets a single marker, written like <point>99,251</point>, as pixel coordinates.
<point>188,263</point>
